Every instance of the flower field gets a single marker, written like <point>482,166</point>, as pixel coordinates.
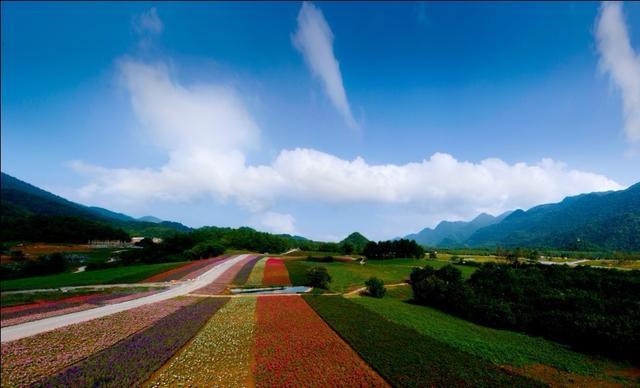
<point>294,347</point>
<point>219,355</point>
<point>30,359</point>
<point>255,278</point>
<point>189,270</point>
<point>225,279</point>
<point>33,311</point>
<point>275,273</point>
<point>131,361</point>
<point>243,275</point>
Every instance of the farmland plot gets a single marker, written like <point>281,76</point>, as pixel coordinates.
<point>275,273</point>
<point>29,359</point>
<point>133,360</point>
<point>294,347</point>
<point>219,355</point>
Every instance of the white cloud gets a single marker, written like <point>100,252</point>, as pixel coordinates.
<point>276,222</point>
<point>148,22</point>
<point>206,131</point>
<point>621,62</point>
<point>314,40</point>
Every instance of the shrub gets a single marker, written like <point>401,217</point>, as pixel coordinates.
<point>318,277</point>
<point>204,250</point>
<point>375,287</point>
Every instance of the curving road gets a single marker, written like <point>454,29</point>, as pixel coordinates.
<point>27,329</point>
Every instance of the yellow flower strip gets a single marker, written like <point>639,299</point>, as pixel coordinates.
<point>219,355</point>
<point>255,279</point>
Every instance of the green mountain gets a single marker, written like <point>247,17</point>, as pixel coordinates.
<point>606,220</point>
<point>454,233</point>
<point>20,200</point>
<point>356,240</point>
<point>153,219</point>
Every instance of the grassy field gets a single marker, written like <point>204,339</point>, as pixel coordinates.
<point>403,356</point>
<point>128,274</point>
<point>500,347</point>
<point>349,276</point>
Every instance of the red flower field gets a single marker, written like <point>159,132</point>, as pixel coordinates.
<point>275,273</point>
<point>295,347</point>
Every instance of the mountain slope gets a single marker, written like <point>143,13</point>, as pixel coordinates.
<point>357,241</point>
<point>607,220</point>
<point>454,233</point>
<point>21,199</point>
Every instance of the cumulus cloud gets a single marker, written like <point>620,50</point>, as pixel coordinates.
<point>314,40</point>
<point>276,222</point>
<point>148,22</point>
<point>206,131</point>
<point>621,62</point>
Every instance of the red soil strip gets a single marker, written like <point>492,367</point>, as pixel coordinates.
<point>184,271</point>
<point>275,273</point>
<point>225,279</point>
<point>296,348</point>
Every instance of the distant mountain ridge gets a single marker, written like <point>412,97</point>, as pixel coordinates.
<point>453,233</point>
<point>21,199</point>
<point>609,220</point>
<point>600,220</point>
<point>357,241</point>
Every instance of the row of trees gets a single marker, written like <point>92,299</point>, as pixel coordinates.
<point>588,308</point>
<point>393,249</point>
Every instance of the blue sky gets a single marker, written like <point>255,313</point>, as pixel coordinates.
<point>320,119</point>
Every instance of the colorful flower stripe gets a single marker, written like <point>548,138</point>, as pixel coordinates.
<point>36,316</point>
<point>183,270</point>
<point>243,275</point>
<point>28,360</point>
<point>131,361</point>
<point>43,303</point>
<point>48,306</point>
<point>67,305</point>
<point>255,279</point>
<point>219,356</point>
<point>295,348</point>
<point>210,263</point>
<point>275,273</point>
<point>224,280</point>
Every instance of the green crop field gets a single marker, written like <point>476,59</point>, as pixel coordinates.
<point>349,276</point>
<point>405,357</point>
<point>501,347</point>
<point>128,274</point>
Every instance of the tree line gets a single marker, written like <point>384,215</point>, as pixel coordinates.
<point>393,249</point>
<point>591,309</point>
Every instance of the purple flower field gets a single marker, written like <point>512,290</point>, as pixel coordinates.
<point>134,359</point>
